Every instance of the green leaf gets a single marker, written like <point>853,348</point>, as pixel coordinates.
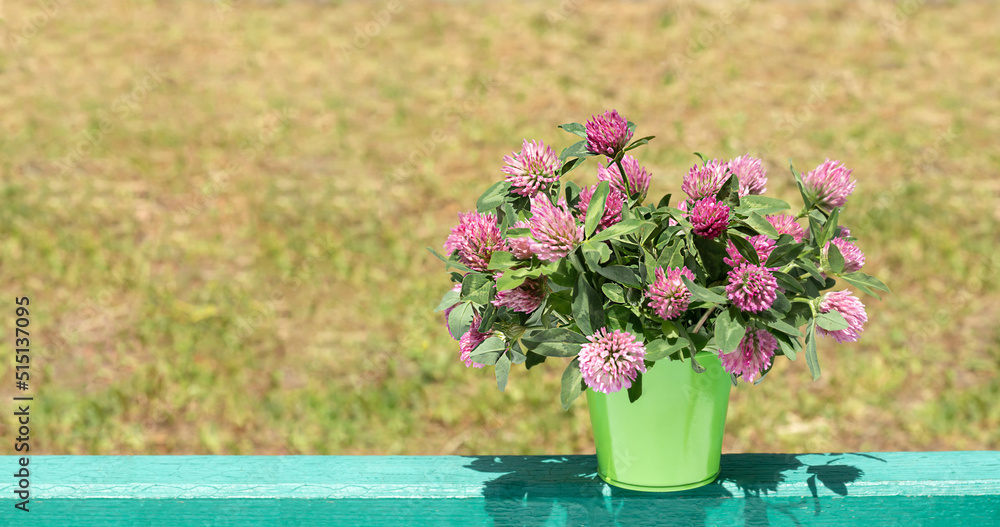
<point>671,256</point>
<point>595,211</point>
<point>561,302</point>
<point>477,288</point>
<point>816,231</point>
<point>698,368</point>
<point>627,213</point>
<point>515,277</point>
<point>663,348</point>
<point>698,342</point>
<point>808,203</point>
<point>800,313</point>
<point>578,149</point>
<point>489,351</point>
<point>614,292</point>
<point>703,294</point>
<point>669,329</point>
<point>449,263</point>
<point>650,234</point>
<point>555,342</point>
<point>621,317</point>
<point>564,275</point>
<point>574,259</point>
<point>533,359</point>
<point>664,201</point>
<point>830,227</point>
<point>811,358</point>
<point>635,391</point>
<point>764,204</point>
<point>596,254</point>
<point>645,231</point>
<point>730,192</point>
<point>746,249</point>
<point>691,262</point>
<point>638,142</point>
<point>832,321</point>
<point>633,296</point>
<point>556,335</point>
<point>764,373</point>
<point>811,287</point>
<point>460,318</point>
<point>501,261</point>
<point>510,280</point>
<point>572,384</point>
<point>810,267</point>
<point>647,267</point>
<point>587,307</point>
<point>758,223</point>
<point>502,370</point>
<point>616,316</point>
<point>575,129</point>
<point>620,274</point>
<point>782,255</point>
<point>728,331</point>
<point>568,167</point>
<point>781,304</point>
<point>782,326</point>
<point>489,316</point>
<point>539,317</point>
<point>509,217</point>
<point>866,283</point>
<point>450,298</point>
<point>712,253</point>
<point>494,196</point>
<point>619,229</point>
<point>835,258</point>
<point>679,216</point>
<point>516,357</point>
<point>789,345</point>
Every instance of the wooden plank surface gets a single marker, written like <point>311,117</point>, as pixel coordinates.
<point>942,488</point>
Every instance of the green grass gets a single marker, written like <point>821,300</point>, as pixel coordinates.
<point>238,266</point>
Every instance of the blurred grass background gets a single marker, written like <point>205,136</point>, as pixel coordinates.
<point>219,210</point>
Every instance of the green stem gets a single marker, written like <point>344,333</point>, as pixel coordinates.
<point>703,319</point>
<point>628,194</point>
<point>554,192</point>
<point>694,350</point>
<point>812,307</point>
<point>621,170</point>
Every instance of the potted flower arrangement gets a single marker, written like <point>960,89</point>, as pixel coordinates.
<point>659,307</point>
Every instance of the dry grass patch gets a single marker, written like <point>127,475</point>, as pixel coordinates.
<point>233,261</point>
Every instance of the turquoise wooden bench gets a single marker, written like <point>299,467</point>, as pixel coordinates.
<point>898,488</point>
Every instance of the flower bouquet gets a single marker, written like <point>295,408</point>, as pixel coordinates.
<point>547,268</point>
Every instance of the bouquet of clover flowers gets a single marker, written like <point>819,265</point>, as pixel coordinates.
<point>547,268</point>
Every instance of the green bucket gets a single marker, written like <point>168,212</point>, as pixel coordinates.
<point>671,437</point>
